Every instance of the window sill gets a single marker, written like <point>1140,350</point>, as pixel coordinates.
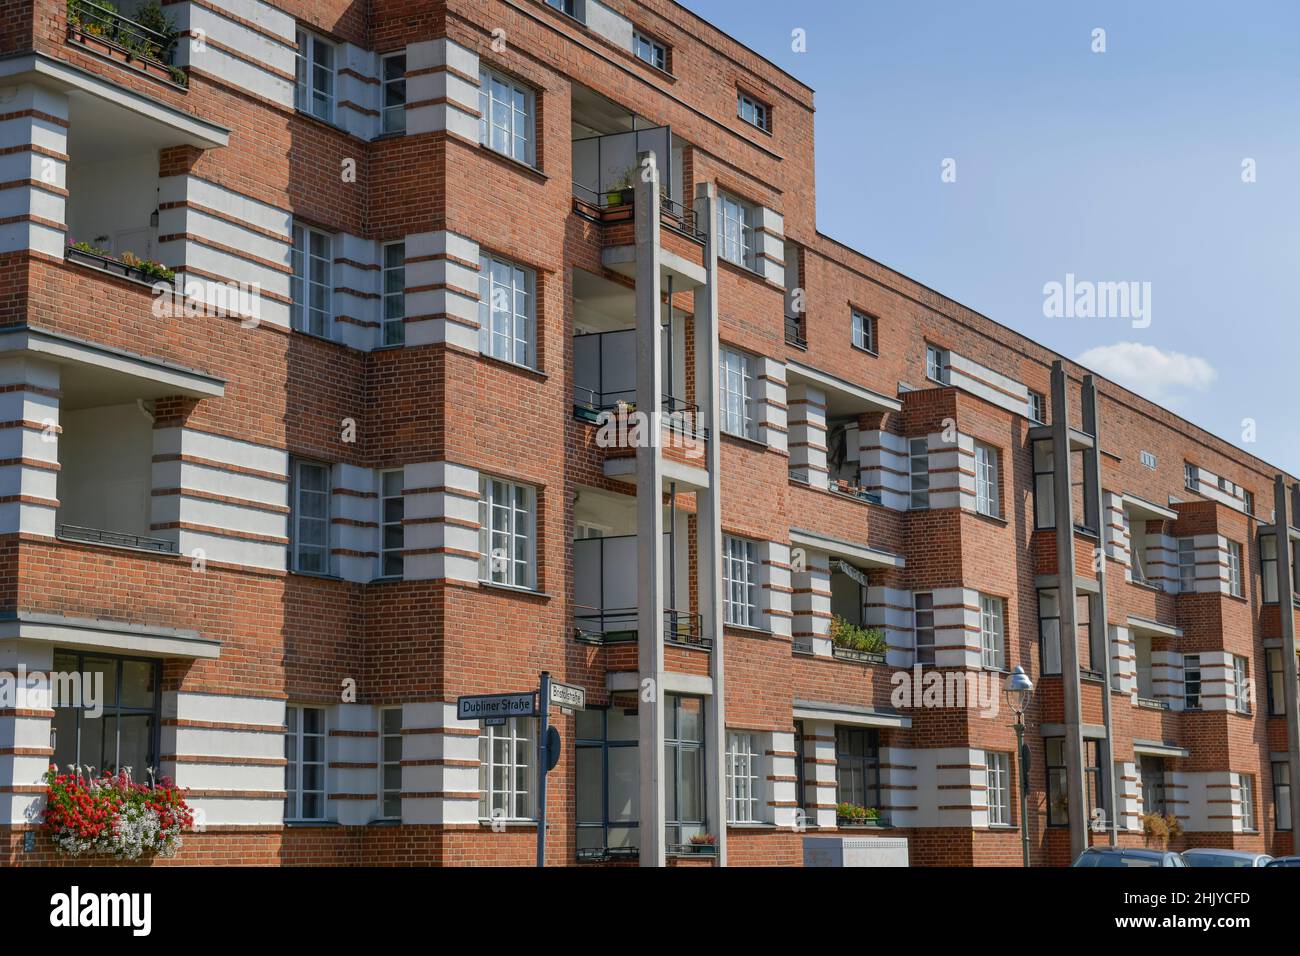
<point>513,163</point>
<point>991,519</point>
<point>515,366</point>
<point>508,824</point>
<point>511,589</point>
<point>310,824</point>
<point>752,825</point>
<point>748,272</point>
<point>315,574</point>
<point>745,439</point>
<point>858,348</point>
<point>748,629</point>
<point>1002,827</point>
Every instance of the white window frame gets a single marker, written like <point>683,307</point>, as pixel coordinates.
<point>1190,476</point>
<point>740,580</point>
<point>387,761</point>
<point>864,331</point>
<point>753,111</point>
<point>650,50</point>
<point>520,130</point>
<point>735,393</point>
<point>1248,502</point>
<point>1186,565</point>
<point>736,230</point>
<point>997,777</point>
<point>298,518</point>
<point>1268,558</point>
<point>1247,787</point>
<point>518,734</point>
<point>392,319</point>
<point>923,609</point>
<point>507,311</point>
<point>993,641</point>
<point>1037,407</point>
<point>918,469</point>
<point>295,734</point>
<point>302,314</point>
<point>507,514</point>
<point>392,115</point>
<point>1241,684</point>
<point>1192,663</point>
<point>1234,569</point>
<point>936,364</point>
<point>744,790</point>
<point>309,69</point>
<point>391,519</point>
<point>988,497</point>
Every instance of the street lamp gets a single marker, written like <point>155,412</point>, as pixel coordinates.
<point>1018,690</point>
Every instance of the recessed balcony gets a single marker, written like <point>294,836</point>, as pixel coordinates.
<point>134,34</point>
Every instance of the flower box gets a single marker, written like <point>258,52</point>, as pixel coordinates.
<point>865,657</point>
<point>112,816</point>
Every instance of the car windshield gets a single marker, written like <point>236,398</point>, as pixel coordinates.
<point>1215,859</point>
<point>1117,859</point>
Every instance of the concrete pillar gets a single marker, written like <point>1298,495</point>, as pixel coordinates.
<point>807,422</point>
<point>1282,523</point>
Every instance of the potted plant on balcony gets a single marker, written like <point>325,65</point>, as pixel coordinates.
<point>853,815</point>
<point>703,843</point>
<point>616,193</point>
<point>146,42</point>
<point>850,641</point>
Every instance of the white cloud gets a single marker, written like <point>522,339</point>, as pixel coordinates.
<point>1158,375</point>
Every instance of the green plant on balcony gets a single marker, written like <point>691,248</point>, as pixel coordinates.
<point>622,182</point>
<point>852,814</point>
<point>161,38</point>
<point>867,640</point>
<point>91,249</point>
<point>151,268</point>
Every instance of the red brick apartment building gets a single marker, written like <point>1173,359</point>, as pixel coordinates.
<point>291,528</point>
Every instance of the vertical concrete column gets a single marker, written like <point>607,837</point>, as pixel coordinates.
<point>1071,691</point>
<point>807,423</point>
<point>1282,523</point>
<point>33,169</point>
<point>26,745</point>
<point>650,517</point>
<point>29,446</point>
<point>708,503</point>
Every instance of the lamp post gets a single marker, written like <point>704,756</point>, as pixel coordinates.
<point>1018,690</point>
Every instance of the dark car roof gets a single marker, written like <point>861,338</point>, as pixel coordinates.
<point>1128,851</point>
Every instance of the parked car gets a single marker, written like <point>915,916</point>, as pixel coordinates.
<point>1284,861</point>
<point>1127,857</point>
<point>1232,858</point>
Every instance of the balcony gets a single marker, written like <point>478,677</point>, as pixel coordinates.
<point>146,44</point>
<point>794,332</point>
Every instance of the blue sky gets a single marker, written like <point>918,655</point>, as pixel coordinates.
<point>1122,166</point>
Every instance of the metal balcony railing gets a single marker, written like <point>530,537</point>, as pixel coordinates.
<point>619,626</point>
<point>116,538</point>
<point>90,23</point>
<point>794,334</point>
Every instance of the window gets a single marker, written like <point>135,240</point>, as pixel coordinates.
<point>991,633</point>
<point>392,537</point>
<point>1247,801</point>
<point>739,561</point>
<point>311,286</point>
<point>743,792</point>
<point>314,86</point>
<point>1268,567</point>
<point>923,626</point>
<point>506,311</point>
<point>608,791</point>
<point>1186,565</point>
<point>1189,476</point>
<point>1090,644</point>
<point>1276,680</point>
<point>800,782</point>
<point>650,50</point>
<point>753,112</point>
<point>857,766</point>
<point>1248,501</point>
<point>997,774</point>
<point>505,538</point>
<point>864,331</point>
<point>684,789</point>
<point>506,116</point>
<point>310,521</point>
<point>394,326</point>
<point>735,230</point>
<point>936,364</point>
<point>1241,684</point>
<point>1038,407</point>
<point>987,497</point>
<point>304,772</point>
<point>505,770</point>
<point>735,384</point>
<point>918,466</point>
<point>390,763</point>
<point>1234,569</point>
<point>1092,779</point>
<point>125,733</point>
<point>1049,630</point>
<point>1281,794</point>
<point>394,93</point>
<point>1192,682</point>
<point>569,7</point>
<point>1151,775</point>
<point>1148,460</point>
<point>1058,804</point>
<point>1044,485</point>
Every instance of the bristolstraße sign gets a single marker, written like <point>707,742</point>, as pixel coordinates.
<point>568,696</point>
<point>488,706</point>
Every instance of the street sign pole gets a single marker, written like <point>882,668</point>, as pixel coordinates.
<point>543,763</point>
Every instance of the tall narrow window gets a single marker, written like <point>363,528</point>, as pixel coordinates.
<point>1247,801</point>
<point>304,770</point>
<point>1058,803</point>
<point>936,364</point>
<point>992,639</point>
<point>918,465</point>
<point>1276,681</point>
<point>1281,794</point>
<point>739,580</point>
<point>123,731</point>
<point>1189,476</point>
<point>311,285</point>
<point>864,331</point>
<point>684,787</point>
<point>506,770</point>
<point>506,316</point>
<point>1151,773</point>
<point>390,763</point>
<point>735,386</point>
<point>1038,407</point>
<point>1186,565</point>
<point>1044,485</point>
<point>1192,682</point>
<point>1049,630</point>
<point>1241,684</point>
<point>607,791</point>
<point>392,508</point>
<point>394,93</point>
<point>311,517</point>
<point>507,546</point>
<point>735,230</point>
<point>1268,567</point>
<point>394,332</point>
<point>1234,569</point>
<point>314,86</point>
<point>987,496</point>
<point>998,788</point>
<point>506,116</point>
<point>743,792</point>
<point>857,766</point>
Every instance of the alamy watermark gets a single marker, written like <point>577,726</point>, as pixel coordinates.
<point>1085,299</point>
<point>41,690</point>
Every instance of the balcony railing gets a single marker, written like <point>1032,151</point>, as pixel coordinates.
<point>848,490</point>
<point>149,46</point>
<point>619,626</point>
<point>117,539</point>
<point>129,265</point>
<point>794,332</point>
